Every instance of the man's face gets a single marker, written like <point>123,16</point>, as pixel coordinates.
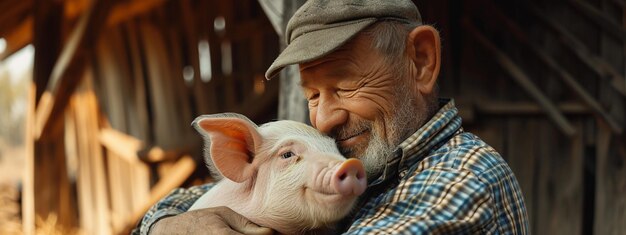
<point>357,98</point>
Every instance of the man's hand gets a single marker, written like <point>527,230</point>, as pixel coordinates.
<point>218,220</point>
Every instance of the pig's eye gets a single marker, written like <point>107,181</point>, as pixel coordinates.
<point>287,155</point>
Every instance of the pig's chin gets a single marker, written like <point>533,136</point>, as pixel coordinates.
<point>331,206</point>
<point>327,198</point>
<point>322,211</point>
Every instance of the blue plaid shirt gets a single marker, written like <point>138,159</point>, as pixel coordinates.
<point>441,180</point>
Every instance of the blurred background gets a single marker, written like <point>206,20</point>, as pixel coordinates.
<point>97,97</point>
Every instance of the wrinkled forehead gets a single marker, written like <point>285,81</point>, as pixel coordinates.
<point>285,130</point>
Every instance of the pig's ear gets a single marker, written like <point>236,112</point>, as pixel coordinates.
<point>234,140</point>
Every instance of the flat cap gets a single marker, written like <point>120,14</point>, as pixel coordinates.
<point>321,26</point>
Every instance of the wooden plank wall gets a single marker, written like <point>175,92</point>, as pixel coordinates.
<point>122,139</point>
<point>573,53</point>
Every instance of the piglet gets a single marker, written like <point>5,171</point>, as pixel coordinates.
<point>283,175</point>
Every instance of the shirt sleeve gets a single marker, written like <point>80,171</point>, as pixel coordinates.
<point>433,201</point>
<point>176,202</point>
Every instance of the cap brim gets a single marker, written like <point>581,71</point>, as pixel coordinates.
<point>316,44</point>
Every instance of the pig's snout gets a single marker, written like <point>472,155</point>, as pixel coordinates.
<point>350,179</point>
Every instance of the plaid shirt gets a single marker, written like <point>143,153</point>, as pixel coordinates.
<point>441,180</point>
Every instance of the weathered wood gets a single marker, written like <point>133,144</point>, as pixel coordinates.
<point>120,144</point>
<point>113,79</point>
<point>69,68</point>
<point>204,105</point>
<point>177,81</point>
<point>128,10</point>
<point>291,102</point>
<point>72,136</point>
<point>141,126</point>
<point>28,180</point>
<point>582,52</point>
<point>558,189</point>
<point>129,183</point>
<point>521,155</point>
<point>522,79</point>
<point>118,182</point>
<point>121,12</point>
<point>607,24</point>
<point>157,154</point>
<point>50,178</point>
<point>48,16</point>
<point>92,182</point>
<point>565,75</point>
<point>181,170</point>
<point>610,149</point>
<point>526,108</point>
<point>168,129</point>
<point>610,178</point>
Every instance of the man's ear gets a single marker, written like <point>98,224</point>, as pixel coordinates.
<point>233,141</point>
<point>424,48</point>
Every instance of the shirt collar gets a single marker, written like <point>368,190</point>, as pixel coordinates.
<point>443,125</point>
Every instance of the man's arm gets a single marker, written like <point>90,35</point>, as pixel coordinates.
<point>176,202</point>
<point>170,216</point>
<point>434,201</point>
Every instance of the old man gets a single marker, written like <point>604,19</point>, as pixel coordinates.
<point>369,70</point>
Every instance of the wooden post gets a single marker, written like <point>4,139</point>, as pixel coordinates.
<point>48,16</point>
<point>292,104</point>
<point>610,149</point>
<point>28,185</point>
<point>91,180</point>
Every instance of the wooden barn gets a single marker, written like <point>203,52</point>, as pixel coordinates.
<point>116,85</point>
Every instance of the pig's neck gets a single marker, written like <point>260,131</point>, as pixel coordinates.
<point>230,194</point>
<point>240,198</point>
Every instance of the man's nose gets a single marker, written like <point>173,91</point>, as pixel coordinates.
<point>329,115</point>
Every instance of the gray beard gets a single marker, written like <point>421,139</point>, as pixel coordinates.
<point>407,121</point>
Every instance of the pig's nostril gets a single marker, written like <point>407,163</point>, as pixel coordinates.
<point>343,176</point>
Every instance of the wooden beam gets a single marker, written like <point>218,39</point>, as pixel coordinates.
<point>609,25</point>
<point>126,11</point>
<point>18,38</point>
<point>91,179</point>
<point>121,144</point>
<point>526,108</point>
<point>70,67</point>
<point>28,180</point>
<point>291,102</point>
<point>22,34</point>
<point>121,12</point>
<point>182,169</point>
<point>565,76</point>
<point>13,12</point>
<point>520,77</point>
<point>593,61</point>
<point>48,17</point>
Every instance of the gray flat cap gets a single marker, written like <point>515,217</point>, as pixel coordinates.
<point>321,26</point>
